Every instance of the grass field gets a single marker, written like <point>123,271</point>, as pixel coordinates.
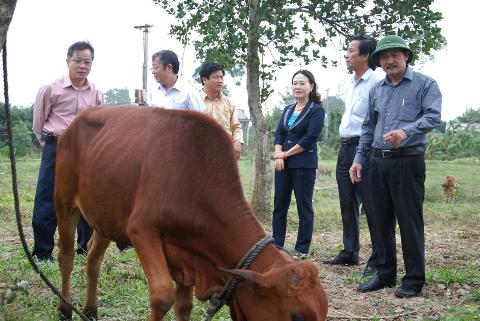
<point>452,291</point>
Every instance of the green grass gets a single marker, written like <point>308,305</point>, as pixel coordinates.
<point>463,313</point>
<point>123,292</point>
<point>448,275</point>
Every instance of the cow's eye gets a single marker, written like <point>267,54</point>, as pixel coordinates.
<point>297,317</point>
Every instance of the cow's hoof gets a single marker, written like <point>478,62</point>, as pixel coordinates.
<point>92,316</point>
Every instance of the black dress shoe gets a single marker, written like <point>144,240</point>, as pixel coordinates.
<point>373,285</point>
<point>404,292</point>
<point>343,259</point>
<point>369,271</point>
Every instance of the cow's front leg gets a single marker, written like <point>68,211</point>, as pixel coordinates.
<point>149,248</point>
<point>183,302</point>
<point>99,245</point>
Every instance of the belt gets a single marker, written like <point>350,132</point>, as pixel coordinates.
<point>350,140</point>
<point>49,138</point>
<point>389,153</point>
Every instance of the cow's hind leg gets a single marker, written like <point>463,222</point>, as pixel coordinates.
<point>149,248</point>
<point>99,245</point>
<point>183,302</point>
<point>67,219</point>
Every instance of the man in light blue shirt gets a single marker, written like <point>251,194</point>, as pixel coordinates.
<point>172,93</point>
<point>403,107</point>
<point>351,195</point>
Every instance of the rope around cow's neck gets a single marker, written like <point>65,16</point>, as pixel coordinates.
<point>15,189</point>
<point>219,299</point>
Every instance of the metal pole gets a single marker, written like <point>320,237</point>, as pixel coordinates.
<point>144,28</point>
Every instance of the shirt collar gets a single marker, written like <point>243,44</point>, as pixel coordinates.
<point>366,75</point>
<point>178,86</point>
<point>408,75</point>
<point>67,82</point>
<point>204,95</point>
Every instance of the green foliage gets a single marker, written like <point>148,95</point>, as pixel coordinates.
<point>273,118</point>
<point>334,108</point>
<point>455,142</point>
<point>23,138</point>
<point>326,151</point>
<point>117,96</point>
<point>471,115</point>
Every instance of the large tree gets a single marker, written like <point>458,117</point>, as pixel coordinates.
<point>264,35</point>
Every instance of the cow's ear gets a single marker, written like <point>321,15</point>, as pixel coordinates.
<point>252,279</point>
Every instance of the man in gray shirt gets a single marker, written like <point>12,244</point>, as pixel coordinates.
<point>402,109</point>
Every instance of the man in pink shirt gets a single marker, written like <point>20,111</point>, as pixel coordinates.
<point>56,105</point>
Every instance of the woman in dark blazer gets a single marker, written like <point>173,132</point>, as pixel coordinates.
<point>296,160</point>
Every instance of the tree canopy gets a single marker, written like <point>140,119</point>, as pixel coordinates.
<point>117,96</point>
<point>290,30</point>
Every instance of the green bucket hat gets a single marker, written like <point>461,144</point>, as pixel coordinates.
<point>389,42</point>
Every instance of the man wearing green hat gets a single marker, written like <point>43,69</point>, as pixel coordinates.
<point>403,107</point>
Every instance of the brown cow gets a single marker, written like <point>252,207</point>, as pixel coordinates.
<point>166,182</point>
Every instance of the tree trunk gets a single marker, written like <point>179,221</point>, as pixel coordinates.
<point>6,13</point>
<point>262,189</point>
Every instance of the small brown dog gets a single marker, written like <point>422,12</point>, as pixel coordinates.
<point>449,188</point>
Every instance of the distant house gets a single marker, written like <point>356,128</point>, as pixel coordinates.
<point>245,122</point>
<point>473,125</point>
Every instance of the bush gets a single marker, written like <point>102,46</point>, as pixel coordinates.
<point>454,143</point>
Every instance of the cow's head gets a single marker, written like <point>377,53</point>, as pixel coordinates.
<point>291,292</point>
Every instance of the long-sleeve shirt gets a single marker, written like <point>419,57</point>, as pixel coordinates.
<point>356,104</point>
<point>413,105</point>
<point>58,103</point>
<point>180,96</point>
<point>223,111</point>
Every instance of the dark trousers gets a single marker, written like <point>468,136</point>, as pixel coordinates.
<point>44,220</point>
<point>301,180</point>
<point>351,196</point>
<point>397,189</point>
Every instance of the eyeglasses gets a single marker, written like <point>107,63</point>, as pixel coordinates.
<point>80,62</point>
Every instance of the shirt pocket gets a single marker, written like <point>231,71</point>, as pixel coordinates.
<point>409,110</point>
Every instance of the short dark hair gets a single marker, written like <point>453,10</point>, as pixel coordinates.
<point>208,68</point>
<point>168,57</point>
<point>80,45</point>
<point>367,45</point>
<point>314,95</point>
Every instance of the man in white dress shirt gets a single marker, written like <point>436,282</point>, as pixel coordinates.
<point>172,93</point>
<point>352,195</point>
